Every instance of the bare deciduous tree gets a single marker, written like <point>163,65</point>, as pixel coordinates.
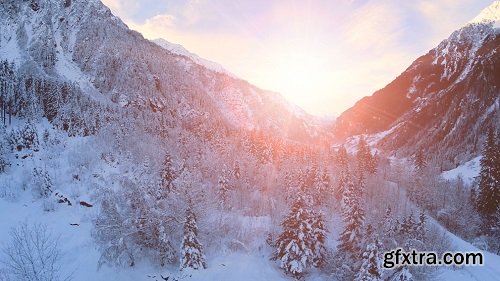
<point>32,254</point>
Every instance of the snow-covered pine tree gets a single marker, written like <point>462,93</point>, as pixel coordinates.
<point>387,220</point>
<point>318,238</point>
<point>343,180</point>
<point>312,177</point>
<point>236,170</point>
<point>165,250</point>
<point>371,165</point>
<point>29,136</point>
<point>353,217</point>
<point>42,182</point>
<point>361,185</point>
<point>4,160</point>
<point>419,161</point>
<point>495,231</point>
<point>371,264</point>
<point>342,159</point>
<point>322,186</point>
<point>191,249</point>
<point>408,226</point>
<point>488,194</point>
<point>168,175</point>
<point>366,161</point>
<point>289,186</point>
<point>396,226</point>
<point>362,153</point>
<point>301,243</point>
<point>421,227</point>
<point>224,188</point>
<point>388,229</point>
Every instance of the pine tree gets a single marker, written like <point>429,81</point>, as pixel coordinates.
<point>488,196</point>
<point>322,184</point>
<point>419,161</point>
<point>29,136</point>
<point>223,188</point>
<point>311,177</point>
<point>495,231</point>
<point>408,226</point>
<point>342,159</point>
<point>353,217</point>
<point>168,175</point>
<point>387,227</point>
<point>371,265</point>
<point>343,180</point>
<point>361,185</point>
<point>191,249</point>
<point>318,238</point>
<point>421,227</point>
<point>4,160</point>
<point>387,220</point>
<point>43,183</point>
<point>301,243</point>
<point>165,250</point>
<point>371,165</point>
<point>236,170</point>
<point>366,161</point>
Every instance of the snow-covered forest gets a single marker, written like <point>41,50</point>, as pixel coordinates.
<point>127,166</point>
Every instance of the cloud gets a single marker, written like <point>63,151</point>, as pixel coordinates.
<point>156,26</point>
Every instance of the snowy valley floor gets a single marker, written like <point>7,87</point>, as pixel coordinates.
<point>74,226</point>
<point>81,255</point>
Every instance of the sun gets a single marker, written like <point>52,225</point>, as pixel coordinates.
<point>299,75</point>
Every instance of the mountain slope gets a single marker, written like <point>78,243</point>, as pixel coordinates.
<point>443,102</point>
<point>82,42</point>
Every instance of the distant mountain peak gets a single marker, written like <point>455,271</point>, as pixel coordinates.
<point>490,14</point>
<point>178,49</point>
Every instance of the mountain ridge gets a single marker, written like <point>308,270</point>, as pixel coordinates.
<point>83,42</point>
<point>443,101</point>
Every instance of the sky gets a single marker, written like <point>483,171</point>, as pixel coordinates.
<point>322,55</point>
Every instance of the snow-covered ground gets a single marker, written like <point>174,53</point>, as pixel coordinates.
<point>74,224</point>
<point>467,171</point>
<point>489,272</point>
<point>81,255</point>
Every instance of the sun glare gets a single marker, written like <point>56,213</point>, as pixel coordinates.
<point>298,75</point>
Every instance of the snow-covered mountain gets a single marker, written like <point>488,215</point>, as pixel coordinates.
<point>489,15</point>
<point>444,102</point>
<point>82,42</point>
<point>181,51</point>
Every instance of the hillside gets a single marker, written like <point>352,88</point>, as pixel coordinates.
<point>443,102</point>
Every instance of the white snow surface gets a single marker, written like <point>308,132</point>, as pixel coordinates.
<point>468,171</point>
<point>178,49</point>
<point>18,204</point>
<point>490,271</point>
<point>490,14</point>
<point>80,254</point>
<point>9,50</point>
